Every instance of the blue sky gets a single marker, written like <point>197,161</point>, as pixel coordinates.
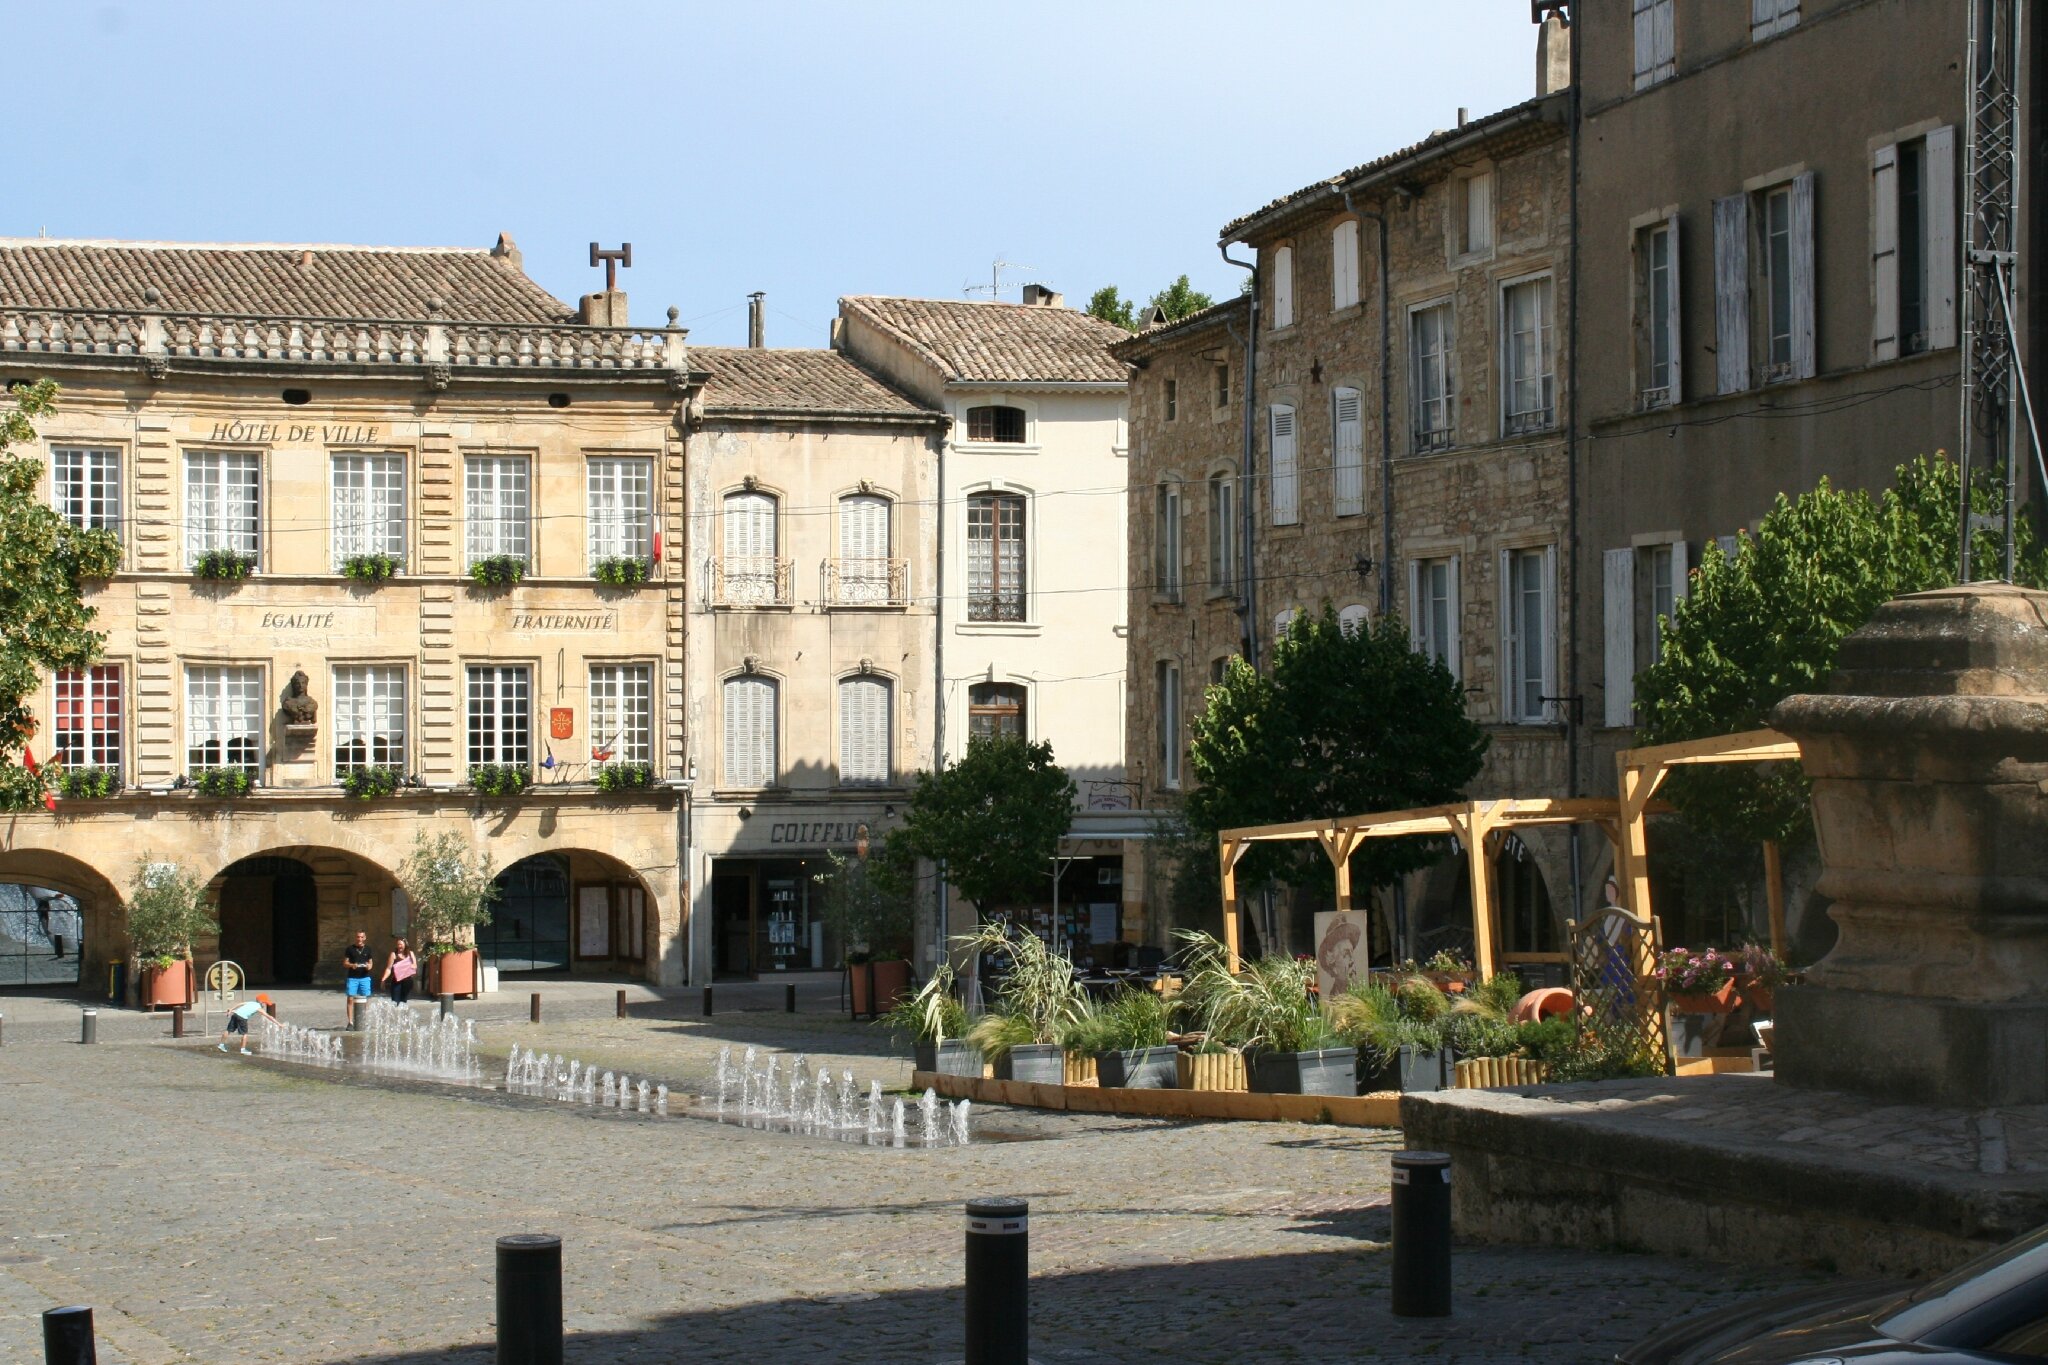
<point>809,150</point>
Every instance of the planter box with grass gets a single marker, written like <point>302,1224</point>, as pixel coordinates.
<point>223,566</point>
<point>622,573</point>
<point>1419,1070</point>
<point>88,784</point>
<point>1039,1063</point>
<point>497,571</point>
<point>951,1057</point>
<point>220,783</point>
<point>1325,1071</point>
<point>370,568</point>
<point>367,784</point>
<point>498,779</point>
<point>1145,1068</point>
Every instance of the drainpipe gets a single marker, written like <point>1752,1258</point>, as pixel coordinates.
<point>1386,418</point>
<point>1250,596</point>
<point>944,913</point>
<point>1574,706</point>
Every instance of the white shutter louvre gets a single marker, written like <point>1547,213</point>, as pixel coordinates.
<point>1676,322</point>
<point>1884,253</point>
<point>1283,287</point>
<point>1286,480</point>
<point>1551,709</point>
<point>1416,639</point>
<point>1645,42</point>
<point>1504,607</point>
<point>1681,573</point>
<point>1348,424</point>
<point>1618,598</point>
<point>1803,353</point>
<point>1456,657</point>
<point>1939,253</point>
<point>1731,293</point>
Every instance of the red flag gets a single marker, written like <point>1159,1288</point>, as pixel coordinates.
<point>657,547</point>
<point>28,761</point>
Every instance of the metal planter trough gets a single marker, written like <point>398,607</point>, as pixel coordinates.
<point>1145,1068</point>
<point>1326,1071</point>
<point>1039,1063</point>
<point>951,1057</point>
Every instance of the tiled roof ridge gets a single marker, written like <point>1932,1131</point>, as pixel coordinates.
<point>1054,345</point>
<point>138,244</point>
<point>881,398</point>
<point>1166,331</point>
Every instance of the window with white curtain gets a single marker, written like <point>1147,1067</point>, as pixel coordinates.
<point>1286,471</point>
<point>621,714</point>
<point>369,717</point>
<point>85,486</point>
<point>1166,540</point>
<point>222,497</point>
<point>1430,352</point>
<point>1433,610</point>
<point>864,731</point>
<point>1657,304</point>
<point>750,573</point>
<point>1347,428</point>
<point>620,495</point>
<point>369,507</point>
<point>749,731</point>
<point>500,715</point>
<point>1529,393</point>
<point>1223,534</point>
<point>87,733</point>
<point>1528,617</point>
<point>863,568</point>
<point>995,557</point>
<point>224,717</point>
<point>1344,264</point>
<point>1168,704</point>
<point>496,503</point>
<point>1475,214</point>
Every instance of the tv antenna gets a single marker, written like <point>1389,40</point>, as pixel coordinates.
<point>994,287</point>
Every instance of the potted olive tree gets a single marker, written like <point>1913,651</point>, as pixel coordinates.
<point>450,892</point>
<point>1036,1002</point>
<point>1268,1011</point>
<point>167,909</point>
<point>936,1023</point>
<point>865,911</point>
<point>1126,1035</point>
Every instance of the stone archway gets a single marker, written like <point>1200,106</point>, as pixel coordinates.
<point>61,922</point>
<point>573,910</point>
<point>287,912</point>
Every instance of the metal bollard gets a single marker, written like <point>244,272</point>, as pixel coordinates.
<point>998,1281</point>
<point>530,1299</point>
<point>178,1021</point>
<point>789,999</point>
<point>89,1026</point>
<point>67,1337</point>
<point>622,1004</point>
<point>447,1004</point>
<point>707,1002</point>
<point>533,1008</point>
<point>1422,1234</point>
<point>3,1030</point>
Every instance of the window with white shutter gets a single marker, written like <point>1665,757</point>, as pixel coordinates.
<point>1913,246</point>
<point>1656,42</point>
<point>749,572</point>
<point>500,712</point>
<point>1528,393</point>
<point>1731,293</point>
<point>369,507</point>
<point>1658,337</point>
<point>1347,427</point>
<point>621,714</point>
<point>1223,534</point>
<point>1286,476</point>
<point>619,496</point>
<point>85,486</point>
<point>1618,619</point>
<point>1344,264</point>
<point>749,731</point>
<point>1166,540</point>
<point>1283,287</point>
<point>1769,18</point>
<point>863,568</point>
<point>496,502</point>
<point>224,718</point>
<point>1784,232</point>
<point>864,731</point>
<point>1168,710</point>
<point>1283,621</point>
<point>1431,352</point>
<point>221,501</point>
<point>1352,619</point>
<point>1433,610</point>
<point>1667,582</point>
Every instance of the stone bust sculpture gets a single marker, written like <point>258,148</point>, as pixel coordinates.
<point>299,707</point>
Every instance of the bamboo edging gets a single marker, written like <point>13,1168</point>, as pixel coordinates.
<point>1358,1111</point>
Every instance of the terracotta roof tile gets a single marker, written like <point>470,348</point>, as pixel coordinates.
<point>1168,333</point>
<point>976,342</point>
<point>795,381</point>
<point>272,280</point>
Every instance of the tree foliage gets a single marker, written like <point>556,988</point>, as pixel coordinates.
<point>994,819</point>
<point>167,909</point>
<point>1109,305</point>
<point>1176,301</point>
<point>864,907</point>
<point>1766,623</point>
<point>447,889</point>
<point>44,621</point>
<point>1347,722</point>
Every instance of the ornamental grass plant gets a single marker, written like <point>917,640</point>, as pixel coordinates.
<point>1128,1021</point>
<point>1039,995</point>
<point>933,1015</point>
<point>1267,1005</point>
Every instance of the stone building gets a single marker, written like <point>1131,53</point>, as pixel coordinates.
<point>272,429</point>
<point>1030,582</point>
<point>1402,357</point>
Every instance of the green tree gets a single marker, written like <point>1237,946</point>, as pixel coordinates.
<point>1347,722</point>
<point>44,561</point>
<point>1176,301</point>
<point>1106,303</point>
<point>994,819</point>
<point>1766,622</point>
<point>1179,300</point>
<point>448,889</point>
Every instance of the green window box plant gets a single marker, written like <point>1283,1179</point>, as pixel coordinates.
<point>370,568</point>
<point>624,777</point>
<point>88,784</point>
<point>223,566</point>
<point>497,571</point>
<point>367,784</point>
<point>622,573</point>
<point>221,783</point>
<point>499,779</point>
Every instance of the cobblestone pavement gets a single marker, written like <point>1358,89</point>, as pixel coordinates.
<point>222,1209</point>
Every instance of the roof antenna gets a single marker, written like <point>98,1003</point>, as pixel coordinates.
<point>994,287</point>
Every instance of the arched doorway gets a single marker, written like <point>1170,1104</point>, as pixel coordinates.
<point>1527,924</point>
<point>529,928</point>
<point>41,932</point>
<point>269,919</point>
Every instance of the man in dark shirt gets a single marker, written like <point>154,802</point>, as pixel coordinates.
<point>357,959</point>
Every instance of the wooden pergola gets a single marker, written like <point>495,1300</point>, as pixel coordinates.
<point>1473,823</point>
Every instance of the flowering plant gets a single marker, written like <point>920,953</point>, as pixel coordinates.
<point>1759,966</point>
<point>1684,972</point>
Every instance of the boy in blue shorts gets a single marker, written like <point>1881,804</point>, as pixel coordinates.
<point>240,1018</point>
<point>357,959</point>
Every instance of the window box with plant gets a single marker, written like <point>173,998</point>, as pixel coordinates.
<point>223,566</point>
<point>167,909</point>
<point>450,891</point>
<point>1759,973</point>
<point>1037,1001</point>
<point>1697,983</point>
<point>1127,1036</point>
<point>624,777</point>
<point>499,779</point>
<point>370,568</point>
<point>220,784</point>
<point>1269,1012</point>
<point>88,784</point>
<point>497,571</point>
<point>624,572</point>
<point>936,1023</point>
<point>369,783</point>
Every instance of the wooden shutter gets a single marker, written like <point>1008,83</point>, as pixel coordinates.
<point>1730,545</point>
<point>1505,673</point>
<point>1681,574</point>
<point>1283,286</point>
<point>1938,253</point>
<point>1645,42</point>
<point>1344,264</point>
<point>1676,322</point>
<point>749,732</point>
<point>1286,479</point>
<point>863,730</point>
<point>1803,356</point>
<point>1416,639</point>
<point>1347,423</point>
<point>1731,293</point>
<point>1452,643</point>
<point>1618,598</point>
<point>863,528</point>
<point>1884,253</point>
<point>1550,624</point>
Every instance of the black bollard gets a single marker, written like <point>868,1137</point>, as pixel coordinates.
<point>67,1337</point>
<point>89,1026</point>
<point>447,1004</point>
<point>530,1299</point>
<point>622,1004</point>
<point>1422,1234</point>
<point>998,1281</point>
<point>789,998</point>
<point>177,1021</point>
<point>707,1002</point>
<point>533,1008</point>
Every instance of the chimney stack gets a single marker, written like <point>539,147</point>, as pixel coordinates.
<point>1553,56</point>
<point>1038,295</point>
<point>1464,116</point>
<point>757,320</point>
<point>607,307</point>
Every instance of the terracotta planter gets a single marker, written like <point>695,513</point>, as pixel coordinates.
<point>892,983</point>
<point>1759,996</point>
<point>1721,1001</point>
<point>167,987</point>
<point>1210,1070</point>
<point>862,977</point>
<point>453,974</point>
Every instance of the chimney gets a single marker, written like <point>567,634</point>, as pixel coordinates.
<point>1553,56</point>
<point>1464,116</point>
<point>757,320</point>
<point>507,251</point>
<point>607,307</point>
<point>1038,296</point>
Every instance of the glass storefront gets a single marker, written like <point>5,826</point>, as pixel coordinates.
<point>529,928</point>
<point>767,917</point>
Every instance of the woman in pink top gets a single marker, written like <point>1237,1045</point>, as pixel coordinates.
<point>400,970</point>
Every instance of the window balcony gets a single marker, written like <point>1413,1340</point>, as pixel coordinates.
<point>749,581</point>
<point>999,605</point>
<point>1534,420</point>
<point>1429,439</point>
<point>865,582</point>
